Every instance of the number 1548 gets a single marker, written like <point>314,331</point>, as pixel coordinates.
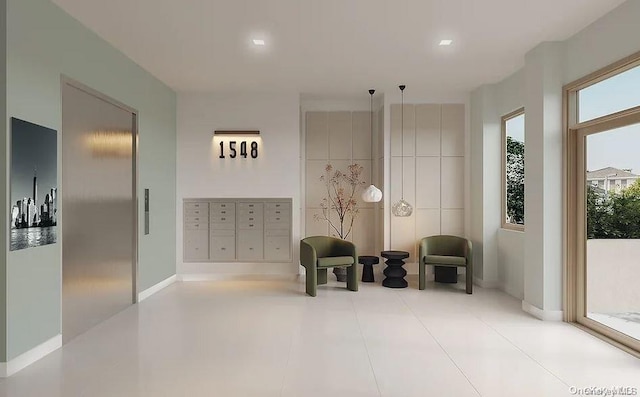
<point>241,150</point>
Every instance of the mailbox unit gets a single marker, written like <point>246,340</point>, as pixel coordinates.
<point>237,230</point>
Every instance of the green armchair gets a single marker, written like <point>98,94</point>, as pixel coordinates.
<point>446,251</point>
<point>318,253</point>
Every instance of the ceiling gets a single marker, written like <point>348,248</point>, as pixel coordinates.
<point>332,47</point>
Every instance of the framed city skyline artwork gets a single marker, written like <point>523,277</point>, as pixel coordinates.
<point>33,209</point>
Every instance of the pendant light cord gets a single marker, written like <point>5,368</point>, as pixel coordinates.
<point>371,92</point>
<point>402,143</point>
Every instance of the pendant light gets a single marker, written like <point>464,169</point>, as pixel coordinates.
<point>402,208</point>
<point>371,194</point>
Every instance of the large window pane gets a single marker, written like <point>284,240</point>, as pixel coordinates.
<point>612,95</point>
<point>613,229</point>
<point>514,169</point>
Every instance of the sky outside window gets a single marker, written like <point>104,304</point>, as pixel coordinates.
<point>619,148</point>
<point>515,128</point>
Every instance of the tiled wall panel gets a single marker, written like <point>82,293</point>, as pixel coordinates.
<point>433,172</point>
<point>339,132</point>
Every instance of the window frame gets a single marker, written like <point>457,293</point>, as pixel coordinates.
<point>503,164</point>
<point>574,207</point>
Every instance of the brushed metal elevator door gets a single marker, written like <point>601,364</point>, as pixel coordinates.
<point>98,209</point>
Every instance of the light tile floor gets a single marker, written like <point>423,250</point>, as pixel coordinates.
<point>267,338</point>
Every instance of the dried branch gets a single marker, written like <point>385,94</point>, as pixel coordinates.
<point>341,188</point>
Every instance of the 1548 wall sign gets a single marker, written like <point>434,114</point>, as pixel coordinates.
<point>239,149</point>
<point>235,145</point>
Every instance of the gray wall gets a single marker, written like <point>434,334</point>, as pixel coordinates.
<point>3,181</point>
<point>44,42</point>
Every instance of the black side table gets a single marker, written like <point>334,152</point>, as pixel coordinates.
<point>367,267</point>
<point>395,272</point>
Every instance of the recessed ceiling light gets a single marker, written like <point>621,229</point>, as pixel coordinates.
<point>446,42</point>
<point>258,41</point>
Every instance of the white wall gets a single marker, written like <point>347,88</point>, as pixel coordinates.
<point>511,262</point>
<point>510,97</point>
<point>476,154</point>
<point>485,185</point>
<point>274,174</point>
<point>543,177</point>
<point>506,255</point>
<point>607,40</point>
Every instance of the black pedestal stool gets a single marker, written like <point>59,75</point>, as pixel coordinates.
<point>367,267</point>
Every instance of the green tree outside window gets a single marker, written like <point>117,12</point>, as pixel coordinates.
<point>613,215</point>
<point>515,181</point>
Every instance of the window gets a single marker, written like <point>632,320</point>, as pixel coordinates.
<point>513,170</point>
<point>602,136</point>
<point>611,95</point>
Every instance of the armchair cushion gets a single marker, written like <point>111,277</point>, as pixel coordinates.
<point>332,261</point>
<point>445,260</point>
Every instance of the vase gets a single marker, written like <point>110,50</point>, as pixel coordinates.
<point>341,273</point>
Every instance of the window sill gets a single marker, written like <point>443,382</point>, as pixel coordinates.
<point>513,228</point>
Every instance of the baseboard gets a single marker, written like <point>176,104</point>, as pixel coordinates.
<point>486,283</point>
<point>545,315</point>
<point>27,358</point>
<point>237,277</point>
<point>152,290</point>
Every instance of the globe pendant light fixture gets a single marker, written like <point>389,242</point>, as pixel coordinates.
<point>402,208</point>
<point>371,194</point>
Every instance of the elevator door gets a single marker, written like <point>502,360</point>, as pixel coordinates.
<point>98,209</point>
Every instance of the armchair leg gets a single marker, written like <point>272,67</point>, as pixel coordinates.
<point>352,277</point>
<point>312,279</point>
<point>322,276</point>
<point>469,279</point>
<point>422,276</point>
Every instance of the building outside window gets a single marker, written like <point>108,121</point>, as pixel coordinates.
<point>611,179</point>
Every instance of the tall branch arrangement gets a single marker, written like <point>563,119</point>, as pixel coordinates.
<point>342,188</point>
